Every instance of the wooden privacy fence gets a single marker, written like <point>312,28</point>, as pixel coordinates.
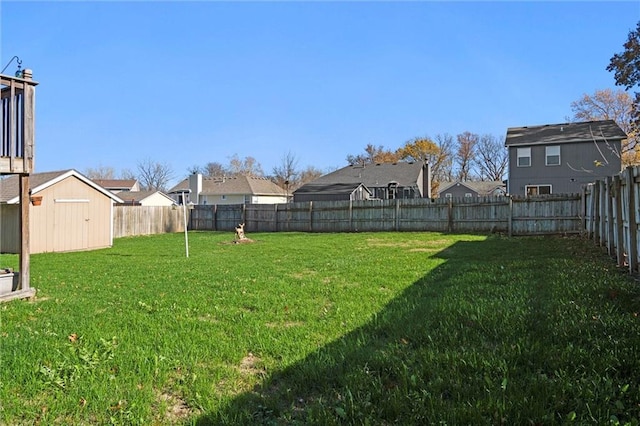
<point>516,216</point>
<point>145,220</point>
<point>611,217</point>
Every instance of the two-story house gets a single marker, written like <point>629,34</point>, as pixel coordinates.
<point>562,158</point>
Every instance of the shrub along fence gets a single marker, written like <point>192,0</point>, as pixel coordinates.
<point>611,217</point>
<point>551,214</point>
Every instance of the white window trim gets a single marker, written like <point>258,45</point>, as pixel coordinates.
<point>518,156</point>
<point>448,195</point>
<point>526,187</point>
<point>547,155</point>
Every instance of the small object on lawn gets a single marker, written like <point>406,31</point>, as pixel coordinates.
<point>240,237</point>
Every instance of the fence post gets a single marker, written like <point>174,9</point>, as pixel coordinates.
<point>633,226</point>
<point>510,218</point>
<point>609,215</point>
<point>450,215</point>
<point>595,204</point>
<point>601,212</point>
<point>350,215</point>
<point>310,216</point>
<point>619,239</point>
<point>397,215</point>
<point>215,217</point>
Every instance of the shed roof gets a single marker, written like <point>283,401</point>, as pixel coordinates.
<point>234,185</point>
<point>10,185</point>
<point>375,175</point>
<point>329,188</point>
<point>481,187</point>
<point>116,184</point>
<point>564,133</point>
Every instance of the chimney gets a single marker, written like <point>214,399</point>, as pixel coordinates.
<point>195,185</point>
<point>426,180</point>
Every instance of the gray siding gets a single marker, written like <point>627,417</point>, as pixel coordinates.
<point>576,168</point>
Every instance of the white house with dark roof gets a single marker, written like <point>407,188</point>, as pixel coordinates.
<point>200,189</point>
<point>562,158</point>
<point>146,198</point>
<point>382,181</point>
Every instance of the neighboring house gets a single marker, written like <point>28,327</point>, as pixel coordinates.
<point>384,181</point>
<point>119,185</point>
<point>228,190</point>
<point>69,212</point>
<point>146,198</point>
<point>562,158</point>
<point>332,192</point>
<point>471,189</point>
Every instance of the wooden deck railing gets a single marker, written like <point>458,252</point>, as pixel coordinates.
<point>17,123</point>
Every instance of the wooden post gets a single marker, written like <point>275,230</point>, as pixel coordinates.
<point>275,219</point>
<point>244,213</point>
<point>617,193</point>
<point>396,213</point>
<point>310,216</point>
<point>24,276</point>
<point>510,218</point>
<point>633,225</point>
<point>350,215</point>
<point>28,121</point>
<point>583,210</point>
<point>215,217</point>
<point>595,221</point>
<point>450,216</point>
<point>610,226</point>
<point>601,213</point>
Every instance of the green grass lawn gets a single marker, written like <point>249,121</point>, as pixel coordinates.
<point>369,328</point>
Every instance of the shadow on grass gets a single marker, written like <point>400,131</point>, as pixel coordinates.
<point>449,349</point>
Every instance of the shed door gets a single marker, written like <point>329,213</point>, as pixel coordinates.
<point>71,224</point>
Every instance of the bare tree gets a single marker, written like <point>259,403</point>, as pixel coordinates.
<point>615,105</point>
<point>491,159</point>
<point>308,175</point>
<point>100,172</point>
<point>128,174</point>
<point>444,171</point>
<point>285,174</point>
<point>154,176</point>
<point>467,142</point>
<point>214,169</point>
<point>248,166</point>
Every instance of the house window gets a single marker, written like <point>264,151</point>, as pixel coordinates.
<point>448,195</point>
<point>537,189</point>
<point>223,197</point>
<point>524,157</point>
<point>552,155</point>
<point>468,195</point>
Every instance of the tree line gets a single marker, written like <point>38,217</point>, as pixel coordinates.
<point>468,156</point>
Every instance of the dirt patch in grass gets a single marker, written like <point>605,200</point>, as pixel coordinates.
<point>287,324</point>
<point>303,274</point>
<point>250,365</point>
<point>413,245</point>
<point>176,407</point>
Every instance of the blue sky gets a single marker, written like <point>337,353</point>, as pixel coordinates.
<point>186,83</point>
